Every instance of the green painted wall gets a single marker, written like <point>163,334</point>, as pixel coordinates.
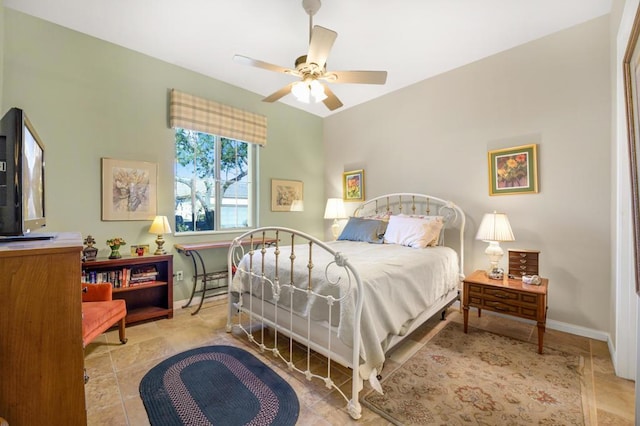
<point>90,99</point>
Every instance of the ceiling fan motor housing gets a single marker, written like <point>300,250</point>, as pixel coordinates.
<point>309,70</point>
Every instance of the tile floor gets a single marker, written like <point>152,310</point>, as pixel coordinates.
<point>115,370</point>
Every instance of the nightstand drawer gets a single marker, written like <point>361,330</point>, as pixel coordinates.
<point>514,302</point>
<point>498,306</point>
<point>517,309</point>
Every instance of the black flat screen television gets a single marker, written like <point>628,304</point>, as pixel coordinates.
<point>22,209</point>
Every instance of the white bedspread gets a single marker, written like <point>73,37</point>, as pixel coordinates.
<point>399,283</point>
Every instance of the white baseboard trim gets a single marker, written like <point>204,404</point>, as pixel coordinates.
<point>580,331</point>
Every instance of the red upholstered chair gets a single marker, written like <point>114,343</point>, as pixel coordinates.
<point>100,312</point>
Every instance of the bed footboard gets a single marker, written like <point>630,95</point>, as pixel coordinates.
<point>297,289</point>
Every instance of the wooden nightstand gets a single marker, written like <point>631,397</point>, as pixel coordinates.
<point>507,296</point>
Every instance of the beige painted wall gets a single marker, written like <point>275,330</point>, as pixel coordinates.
<point>433,138</point>
<point>90,99</point>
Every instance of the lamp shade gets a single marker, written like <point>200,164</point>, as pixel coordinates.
<point>335,209</point>
<point>495,227</point>
<point>160,226</point>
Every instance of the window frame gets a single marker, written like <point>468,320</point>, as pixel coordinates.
<point>252,188</point>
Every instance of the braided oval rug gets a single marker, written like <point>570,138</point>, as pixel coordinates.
<point>216,385</point>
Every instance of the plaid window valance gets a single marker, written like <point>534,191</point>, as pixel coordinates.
<point>194,113</point>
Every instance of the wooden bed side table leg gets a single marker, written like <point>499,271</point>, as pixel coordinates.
<point>541,329</point>
<point>465,310</point>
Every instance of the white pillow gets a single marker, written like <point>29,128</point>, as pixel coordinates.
<point>438,219</point>
<point>412,231</point>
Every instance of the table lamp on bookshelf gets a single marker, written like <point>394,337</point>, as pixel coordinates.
<point>160,226</point>
<point>494,228</point>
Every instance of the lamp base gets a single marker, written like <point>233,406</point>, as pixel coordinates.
<point>335,229</point>
<point>160,243</point>
<point>495,273</point>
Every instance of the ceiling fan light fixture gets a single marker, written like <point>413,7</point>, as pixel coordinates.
<point>306,91</point>
<point>301,91</point>
<point>317,91</point>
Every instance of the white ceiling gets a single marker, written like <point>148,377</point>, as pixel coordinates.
<point>411,39</point>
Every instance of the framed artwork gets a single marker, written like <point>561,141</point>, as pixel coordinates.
<point>129,190</point>
<point>631,70</point>
<point>140,250</point>
<point>286,195</point>
<point>513,170</point>
<point>353,185</point>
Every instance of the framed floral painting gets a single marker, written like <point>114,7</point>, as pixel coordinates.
<point>353,185</point>
<point>513,170</point>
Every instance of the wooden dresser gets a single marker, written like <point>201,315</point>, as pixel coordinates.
<point>41,354</point>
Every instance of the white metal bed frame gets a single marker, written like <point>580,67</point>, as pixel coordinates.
<point>252,312</point>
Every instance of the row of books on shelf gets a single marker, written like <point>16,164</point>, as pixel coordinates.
<point>122,278</point>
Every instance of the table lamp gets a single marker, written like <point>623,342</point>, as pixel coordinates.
<point>160,226</point>
<point>494,228</point>
<point>335,210</point>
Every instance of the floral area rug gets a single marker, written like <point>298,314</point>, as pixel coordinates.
<point>482,378</point>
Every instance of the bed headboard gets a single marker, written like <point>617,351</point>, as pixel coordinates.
<point>418,204</point>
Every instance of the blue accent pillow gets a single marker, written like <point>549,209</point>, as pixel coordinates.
<point>367,230</point>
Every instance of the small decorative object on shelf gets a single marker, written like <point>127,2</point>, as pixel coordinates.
<point>89,252</point>
<point>114,244</point>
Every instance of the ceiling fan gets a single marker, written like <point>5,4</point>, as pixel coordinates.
<point>312,70</point>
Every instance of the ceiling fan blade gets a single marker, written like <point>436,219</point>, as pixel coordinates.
<point>332,102</point>
<point>279,94</point>
<point>320,45</point>
<point>245,60</point>
<point>362,77</point>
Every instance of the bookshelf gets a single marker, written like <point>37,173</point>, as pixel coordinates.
<point>145,283</point>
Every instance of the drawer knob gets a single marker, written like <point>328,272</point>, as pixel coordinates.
<point>523,260</point>
<point>523,255</point>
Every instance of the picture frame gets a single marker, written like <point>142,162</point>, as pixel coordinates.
<point>286,195</point>
<point>353,185</point>
<point>631,74</point>
<point>129,190</point>
<point>144,249</point>
<point>513,170</point>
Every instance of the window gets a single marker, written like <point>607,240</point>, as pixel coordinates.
<point>215,182</point>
